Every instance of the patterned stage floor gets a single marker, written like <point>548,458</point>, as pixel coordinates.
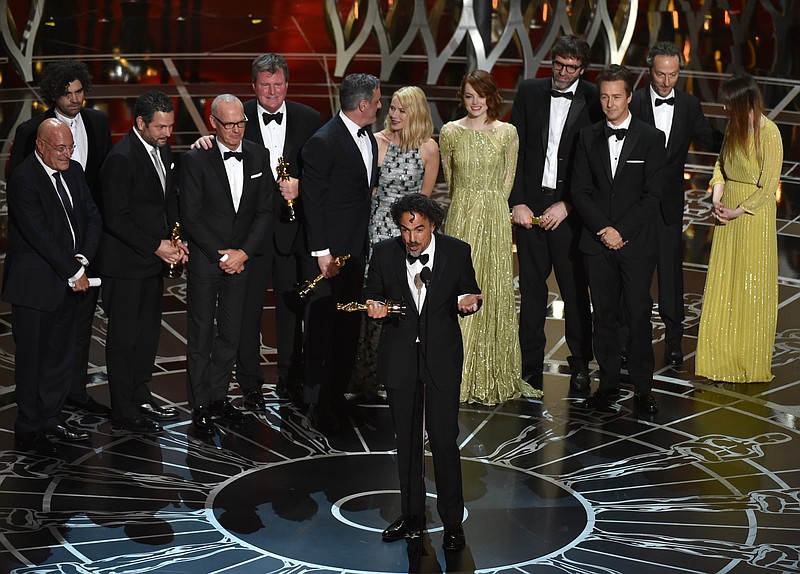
<point>709,484</point>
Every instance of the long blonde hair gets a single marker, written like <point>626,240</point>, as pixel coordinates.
<point>742,98</point>
<point>419,125</point>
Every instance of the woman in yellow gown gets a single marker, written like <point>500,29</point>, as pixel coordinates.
<point>740,303</point>
<point>479,158</point>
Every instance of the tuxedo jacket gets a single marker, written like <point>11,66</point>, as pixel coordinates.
<point>688,124</point>
<point>98,138</point>
<point>208,218</point>
<point>531,116</point>
<point>436,323</point>
<point>628,201</point>
<point>301,123</point>
<point>137,212</point>
<point>337,191</point>
<point>41,251</point>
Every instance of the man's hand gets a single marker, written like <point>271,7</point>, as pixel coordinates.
<point>521,215</point>
<point>611,238</point>
<point>81,284</point>
<point>171,255</point>
<point>327,267</point>
<point>234,263</point>
<point>204,142</point>
<point>376,309</point>
<point>290,189</point>
<point>469,304</point>
<point>554,215</point>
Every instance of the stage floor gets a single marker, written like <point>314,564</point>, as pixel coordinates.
<point>709,484</point>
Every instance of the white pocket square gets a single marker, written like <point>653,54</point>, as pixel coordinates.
<point>172,166</point>
<point>635,161</point>
<point>255,175</point>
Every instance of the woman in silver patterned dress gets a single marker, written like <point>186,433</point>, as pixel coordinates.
<point>409,163</point>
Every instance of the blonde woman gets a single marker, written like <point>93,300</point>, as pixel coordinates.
<point>740,303</point>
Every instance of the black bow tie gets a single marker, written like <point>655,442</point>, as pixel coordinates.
<point>668,101</point>
<point>620,133</point>
<point>267,117</point>
<point>362,131</point>
<point>557,94</point>
<point>421,258</point>
<point>237,155</point>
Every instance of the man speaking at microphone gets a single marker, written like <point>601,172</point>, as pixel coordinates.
<point>433,274</point>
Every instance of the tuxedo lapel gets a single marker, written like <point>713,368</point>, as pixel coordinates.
<point>218,168</point>
<point>627,147</point>
<point>601,143</point>
<point>401,276</point>
<point>543,106</point>
<point>252,129</point>
<point>575,110</point>
<point>678,124</point>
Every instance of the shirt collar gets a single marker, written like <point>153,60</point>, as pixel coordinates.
<point>572,89</point>
<point>69,121</point>
<point>654,96</point>
<point>625,124</point>
<point>351,126</point>
<point>430,250</point>
<point>146,145</point>
<point>222,148</point>
<point>280,110</point>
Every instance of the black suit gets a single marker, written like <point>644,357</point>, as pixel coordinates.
<point>282,256</point>
<point>627,201</point>
<point>540,251</point>
<point>398,359</point>
<point>98,139</point>
<point>137,215</point>
<point>40,261</point>
<point>211,223</point>
<point>688,124</point>
<point>336,205</point>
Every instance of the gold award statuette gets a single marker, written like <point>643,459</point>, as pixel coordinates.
<point>392,307</point>
<point>307,288</point>
<point>534,219</point>
<point>174,270</point>
<point>288,214</point>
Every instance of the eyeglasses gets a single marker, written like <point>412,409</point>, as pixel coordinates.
<point>230,125</point>
<point>570,68</point>
<point>61,149</point>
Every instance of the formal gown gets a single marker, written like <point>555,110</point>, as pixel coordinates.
<point>740,302</point>
<point>401,173</point>
<point>479,169</point>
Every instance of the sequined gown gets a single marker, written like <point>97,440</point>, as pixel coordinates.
<point>479,169</point>
<point>740,302</point>
<point>401,173</point>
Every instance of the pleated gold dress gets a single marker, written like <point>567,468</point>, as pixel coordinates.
<point>740,302</point>
<point>479,169</point>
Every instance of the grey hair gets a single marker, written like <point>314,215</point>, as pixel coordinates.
<point>357,87</point>
<point>226,98</point>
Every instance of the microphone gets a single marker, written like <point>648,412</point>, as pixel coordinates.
<point>425,276</point>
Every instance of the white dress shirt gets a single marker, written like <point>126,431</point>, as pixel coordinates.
<point>79,137</point>
<point>615,145</point>
<point>413,270</point>
<point>363,142</point>
<point>273,135</point>
<point>663,114</point>
<point>234,169</point>
<point>559,109</point>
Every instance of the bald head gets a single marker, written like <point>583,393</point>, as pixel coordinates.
<point>54,144</point>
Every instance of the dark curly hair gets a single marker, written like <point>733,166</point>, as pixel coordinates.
<point>421,204</point>
<point>58,75</point>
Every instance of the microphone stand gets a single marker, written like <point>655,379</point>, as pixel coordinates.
<point>425,278</point>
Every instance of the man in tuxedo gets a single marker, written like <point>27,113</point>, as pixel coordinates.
<point>63,86</point>
<point>53,232</point>
<point>140,208</point>
<point>680,117</point>
<point>548,114</point>
<point>227,207</point>
<point>340,169</point>
<point>420,356</point>
<point>616,188</point>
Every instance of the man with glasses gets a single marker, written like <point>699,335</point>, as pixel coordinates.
<point>53,232</point>
<point>548,114</point>
<point>140,207</point>
<point>228,207</point>
<point>64,85</point>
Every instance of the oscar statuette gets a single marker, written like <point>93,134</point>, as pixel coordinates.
<point>392,307</point>
<point>307,288</point>
<point>174,270</point>
<point>288,214</point>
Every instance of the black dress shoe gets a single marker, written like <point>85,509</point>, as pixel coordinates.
<point>579,381</point>
<point>453,538</point>
<point>645,402</point>
<point>67,434</point>
<point>403,527</point>
<point>35,442</point>
<point>137,425</point>
<point>226,411</point>
<point>322,418</point>
<point>602,399</point>
<point>90,406</point>
<point>254,400</point>
<point>673,356</point>
<point>202,422</point>
<point>157,413</point>
<point>536,380</point>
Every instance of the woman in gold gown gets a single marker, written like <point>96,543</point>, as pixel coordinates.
<point>740,303</point>
<point>479,158</point>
